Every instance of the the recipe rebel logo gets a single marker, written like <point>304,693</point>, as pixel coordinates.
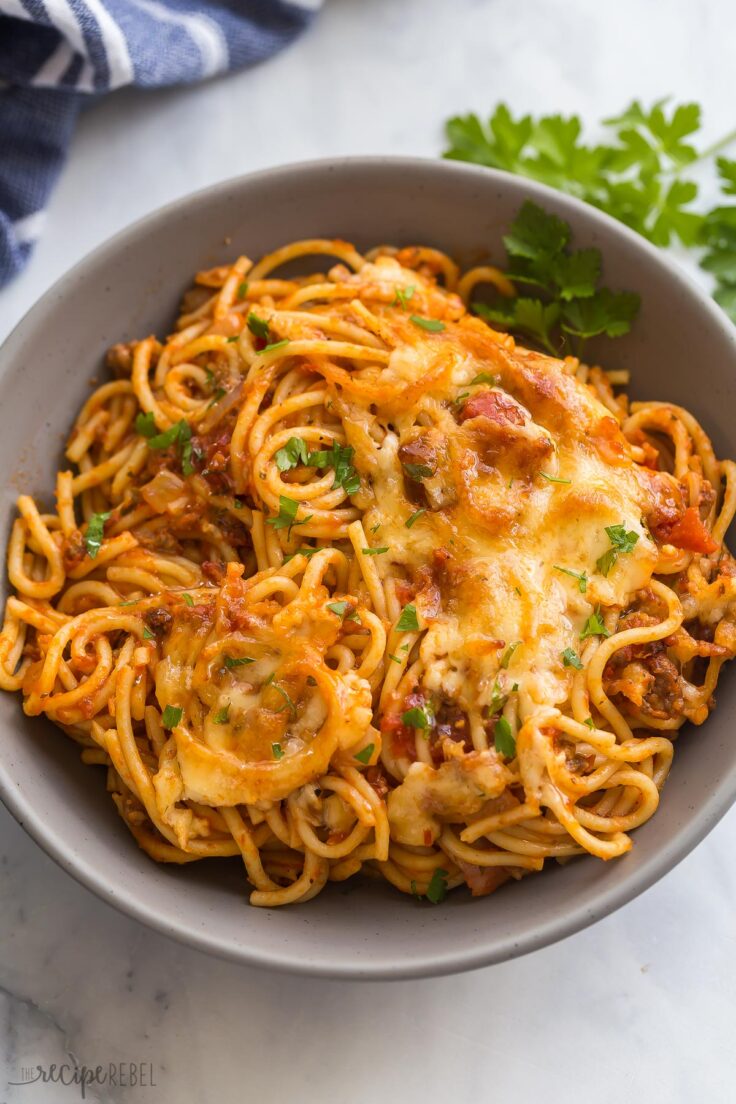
<point>119,1075</point>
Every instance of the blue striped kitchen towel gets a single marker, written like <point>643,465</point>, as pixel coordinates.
<point>56,53</point>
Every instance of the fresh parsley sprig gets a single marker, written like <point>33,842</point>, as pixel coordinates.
<point>639,173</point>
<point>567,303</point>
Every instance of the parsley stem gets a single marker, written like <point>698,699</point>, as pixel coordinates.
<point>716,147</point>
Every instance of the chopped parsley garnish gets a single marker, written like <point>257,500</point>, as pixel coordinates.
<point>308,552</point>
<point>222,716</point>
<point>243,289</point>
<point>621,542</point>
<point>343,609</point>
<point>95,533</point>
<point>589,722</point>
<point>339,458</point>
<point>394,658</point>
<point>179,434</point>
<point>237,661</point>
<point>408,620</point>
<point>507,655</point>
<point>553,478</point>
<point>188,599</point>
<point>484,377</point>
<point>418,472</point>
<point>275,345</point>
<point>414,517</point>
<point>461,398</point>
<point>147,634</point>
<point>418,717</point>
<point>293,452</point>
<point>594,626</point>
<point>231,340</point>
<point>402,296</point>
<point>437,888</point>
<point>570,658</point>
<point>217,394</point>
<point>364,755</point>
<point>277,751</point>
<point>258,326</point>
<point>171,716</point>
<point>581,577</point>
<point>374,551</point>
<point>288,703</point>
<point>432,325</point>
<point>286,517</point>
<point>503,738</point>
<point>145,424</point>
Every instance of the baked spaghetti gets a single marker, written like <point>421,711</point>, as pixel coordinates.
<point>341,579</point>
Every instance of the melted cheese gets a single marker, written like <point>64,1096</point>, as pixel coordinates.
<point>505,528</point>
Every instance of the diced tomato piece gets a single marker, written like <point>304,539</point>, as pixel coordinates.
<point>495,406</point>
<point>689,533</point>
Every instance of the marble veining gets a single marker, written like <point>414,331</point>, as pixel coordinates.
<point>643,1002</point>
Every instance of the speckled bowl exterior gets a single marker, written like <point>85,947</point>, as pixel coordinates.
<point>682,349</point>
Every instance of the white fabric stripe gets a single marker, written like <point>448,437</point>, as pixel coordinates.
<point>14,8</point>
<point>62,17</point>
<point>55,66</point>
<point>116,48</point>
<point>28,229</point>
<point>203,31</point>
<point>310,5</point>
<point>86,78</point>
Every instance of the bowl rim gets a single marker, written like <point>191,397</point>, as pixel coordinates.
<point>455,959</point>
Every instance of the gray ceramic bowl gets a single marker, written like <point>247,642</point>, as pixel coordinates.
<point>682,349</point>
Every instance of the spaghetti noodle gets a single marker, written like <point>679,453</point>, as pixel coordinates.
<point>340,579</point>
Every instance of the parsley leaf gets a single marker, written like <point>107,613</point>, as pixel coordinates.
<point>286,517</point>
<point>288,703</point>
<point>402,296</point>
<point>179,434</point>
<point>432,325</point>
<point>277,751</point>
<point>437,888</point>
<point>621,542</point>
<point>275,345</point>
<point>484,377</point>
<point>503,738</point>
<point>418,717</point>
<point>222,716</point>
<point>145,424</point>
<point>570,658</point>
<point>187,598</point>
<point>343,609</point>
<point>374,551</point>
<point>364,755</point>
<point>95,533</point>
<point>594,625</point>
<point>237,661</point>
<point>258,326</point>
<point>414,517</point>
<point>581,577</point>
<point>171,716</point>
<point>340,459</point>
<point>638,176</point>
<point>293,452</point>
<point>418,472</point>
<point>507,655</point>
<point>553,478</point>
<point>408,621</point>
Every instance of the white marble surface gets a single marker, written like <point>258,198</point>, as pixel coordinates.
<point>645,1002</point>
